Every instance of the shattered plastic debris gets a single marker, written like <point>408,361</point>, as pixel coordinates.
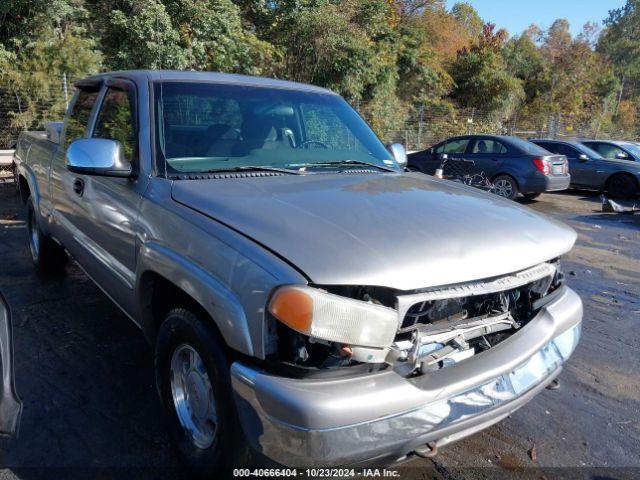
<point>610,206</point>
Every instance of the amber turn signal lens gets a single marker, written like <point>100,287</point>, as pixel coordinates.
<point>294,308</point>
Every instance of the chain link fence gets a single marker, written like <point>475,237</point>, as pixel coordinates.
<point>423,129</point>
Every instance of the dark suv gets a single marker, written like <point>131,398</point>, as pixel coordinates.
<point>514,165</point>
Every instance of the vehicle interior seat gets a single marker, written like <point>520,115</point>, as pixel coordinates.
<point>262,133</point>
<point>482,146</point>
<point>220,140</point>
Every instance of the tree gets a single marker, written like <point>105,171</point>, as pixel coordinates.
<point>620,44</point>
<point>468,17</point>
<point>182,34</point>
<point>35,64</point>
<point>480,75</point>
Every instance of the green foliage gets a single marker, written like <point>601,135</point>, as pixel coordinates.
<point>468,17</point>
<point>394,59</point>
<point>481,77</point>
<point>34,62</point>
<point>182,34</point>
<point>620,41</point>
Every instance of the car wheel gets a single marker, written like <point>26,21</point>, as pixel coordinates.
<point>531,196</point>
<point>47,255</point>
<point>194,384</point>
<point>622,186</point>
<point>505,186</point>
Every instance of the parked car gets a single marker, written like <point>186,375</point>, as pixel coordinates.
<point>514,165</point>
<point>308,298</point>
<point>589,169</point>
<point>624,156</point>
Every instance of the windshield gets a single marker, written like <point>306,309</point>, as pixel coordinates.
<point>528,147</point>
<point>632,148</point>
<point>208,127</point>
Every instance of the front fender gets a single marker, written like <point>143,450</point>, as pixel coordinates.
<point>213,295</point>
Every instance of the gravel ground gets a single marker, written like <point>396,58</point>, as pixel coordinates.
<point>85,373</point>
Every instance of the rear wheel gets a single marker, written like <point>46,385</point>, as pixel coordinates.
<point>47,255</point>
<point>622,186</point>
<point>194,384</point>
<point>505,186</point>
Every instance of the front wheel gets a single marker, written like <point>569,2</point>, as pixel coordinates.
<point>505,186</point>
<point>194,384</point>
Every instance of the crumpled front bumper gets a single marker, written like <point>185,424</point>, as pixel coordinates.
<point>381,418</point>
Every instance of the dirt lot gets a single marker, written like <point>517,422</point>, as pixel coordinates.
<point>90,409</point>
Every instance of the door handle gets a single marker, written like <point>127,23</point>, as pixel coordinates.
<point>78,186</point>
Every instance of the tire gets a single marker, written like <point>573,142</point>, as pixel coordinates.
<point>217,444</point>
<point>47,256</point>
<point>505,186</point>
<point>621,185</point>
<point>531,196</point>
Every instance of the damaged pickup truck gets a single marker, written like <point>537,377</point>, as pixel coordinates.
<point>309,300</point>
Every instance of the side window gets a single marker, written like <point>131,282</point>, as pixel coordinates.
<point>571,152</point>
<point>547,146</point>
<point>489,146</point>
<point>116,120</point>
<point>556,148</point>
<point>609,151</point>
<point>79,116</point>
<point>456,146</point>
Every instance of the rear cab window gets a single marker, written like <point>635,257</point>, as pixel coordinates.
<point>79,115</point>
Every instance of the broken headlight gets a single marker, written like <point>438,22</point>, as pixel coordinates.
<point>325,316</point>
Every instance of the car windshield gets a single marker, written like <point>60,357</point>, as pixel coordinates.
<point>208,127</point>
<point>528,147</point>
<point>633,148</point>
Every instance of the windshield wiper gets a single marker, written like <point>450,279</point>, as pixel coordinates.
<point>337,163</point>
<point>254,168</point>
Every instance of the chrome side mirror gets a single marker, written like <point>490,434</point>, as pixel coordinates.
<point>98,156</point>
<point>399,154</point>
<point>583,157</point>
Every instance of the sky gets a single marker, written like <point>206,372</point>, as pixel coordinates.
<point>516,15</point>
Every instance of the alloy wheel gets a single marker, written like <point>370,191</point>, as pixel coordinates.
<point>503,188</point>
<point>193,396</point>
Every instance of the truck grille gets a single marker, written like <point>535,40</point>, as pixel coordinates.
<point>449,324</point>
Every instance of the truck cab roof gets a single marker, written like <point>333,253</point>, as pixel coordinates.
<point>192,76</point>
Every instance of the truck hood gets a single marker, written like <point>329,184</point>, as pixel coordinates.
<point>404,231</point>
